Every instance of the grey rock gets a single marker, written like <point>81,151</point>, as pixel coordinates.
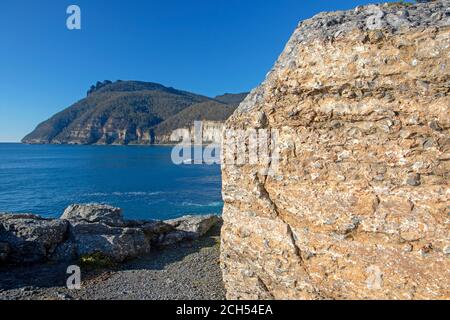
<point>157,227</point>
<point>413,179</point>
<point>88,229</point>
<point>175,237</point>
<point>28,290</point>
<point>403,14</point>
<point>435,125</point>
<point>4,251</point>
<point>156,230</point>
<point>188,228</point>
<point>446,250</point>
<point>65,251</point>
<point>396,21</point>
<point>198,225</point>
<point>117,243</point>
<point>94,213</point>
<point>30,237</point>
<point>63,296</point>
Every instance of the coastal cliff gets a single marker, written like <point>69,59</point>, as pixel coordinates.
<point>131,112</point>
<point>357,207</point>
<point>211,133</point>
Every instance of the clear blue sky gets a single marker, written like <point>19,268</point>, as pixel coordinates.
<point>204,46</point>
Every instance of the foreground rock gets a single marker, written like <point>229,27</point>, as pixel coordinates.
<point>186,271</point>
<point>188,227</point>
<point>29,238</point>
<point>4,251</point>
<point>358,205</point>
<point>94,213</point>
<point>114,242</point>
<point>85,230</point>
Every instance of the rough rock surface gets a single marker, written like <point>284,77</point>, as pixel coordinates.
<point>94,213</point>
<point>29,238</point>
<point>89,229</point>
<point>188,228</point>
<point>186,271</point>
<point>211,133</point>
<point>4,251</point>
<point>116,243</point>
<point>357,207</point>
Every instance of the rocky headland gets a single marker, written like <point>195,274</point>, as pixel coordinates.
<point>357,207</point>
<point>135,112</point>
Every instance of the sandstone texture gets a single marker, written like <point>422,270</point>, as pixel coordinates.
<point>90,229</point>
<point>358,205</point>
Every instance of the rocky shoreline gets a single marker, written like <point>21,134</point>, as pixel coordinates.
<point>184,271</point>
<point>119,258</point>
<point>86,230</point>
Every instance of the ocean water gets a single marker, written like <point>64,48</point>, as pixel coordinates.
<point>142,180</point>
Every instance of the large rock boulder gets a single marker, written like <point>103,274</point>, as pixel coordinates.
<point>85,230</point>
<point>94,213</point>
<point>155,231</point>
<point>97,228</point>
<point>354,204</point>
<point>196,225</point>
<point>29,238</point>
<point>4,251</point>
<point>116,243</point>
<point>187,228</point>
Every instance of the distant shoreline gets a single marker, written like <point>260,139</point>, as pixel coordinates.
<point>111,145</point>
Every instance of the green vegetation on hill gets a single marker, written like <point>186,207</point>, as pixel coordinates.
<point>209,110</point>
<point>130,112</point>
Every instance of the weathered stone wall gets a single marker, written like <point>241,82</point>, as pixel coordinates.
<point>358,206</point>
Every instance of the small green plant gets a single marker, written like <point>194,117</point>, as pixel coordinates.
<point>217,242</point>
<point>96,261</point>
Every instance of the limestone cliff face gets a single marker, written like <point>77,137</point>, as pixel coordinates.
<point>358,205</point>
<point>211,133</point>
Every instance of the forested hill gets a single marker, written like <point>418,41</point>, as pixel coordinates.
<point>130,112</point>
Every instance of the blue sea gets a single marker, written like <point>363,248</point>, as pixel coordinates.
<point>142,180</point>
